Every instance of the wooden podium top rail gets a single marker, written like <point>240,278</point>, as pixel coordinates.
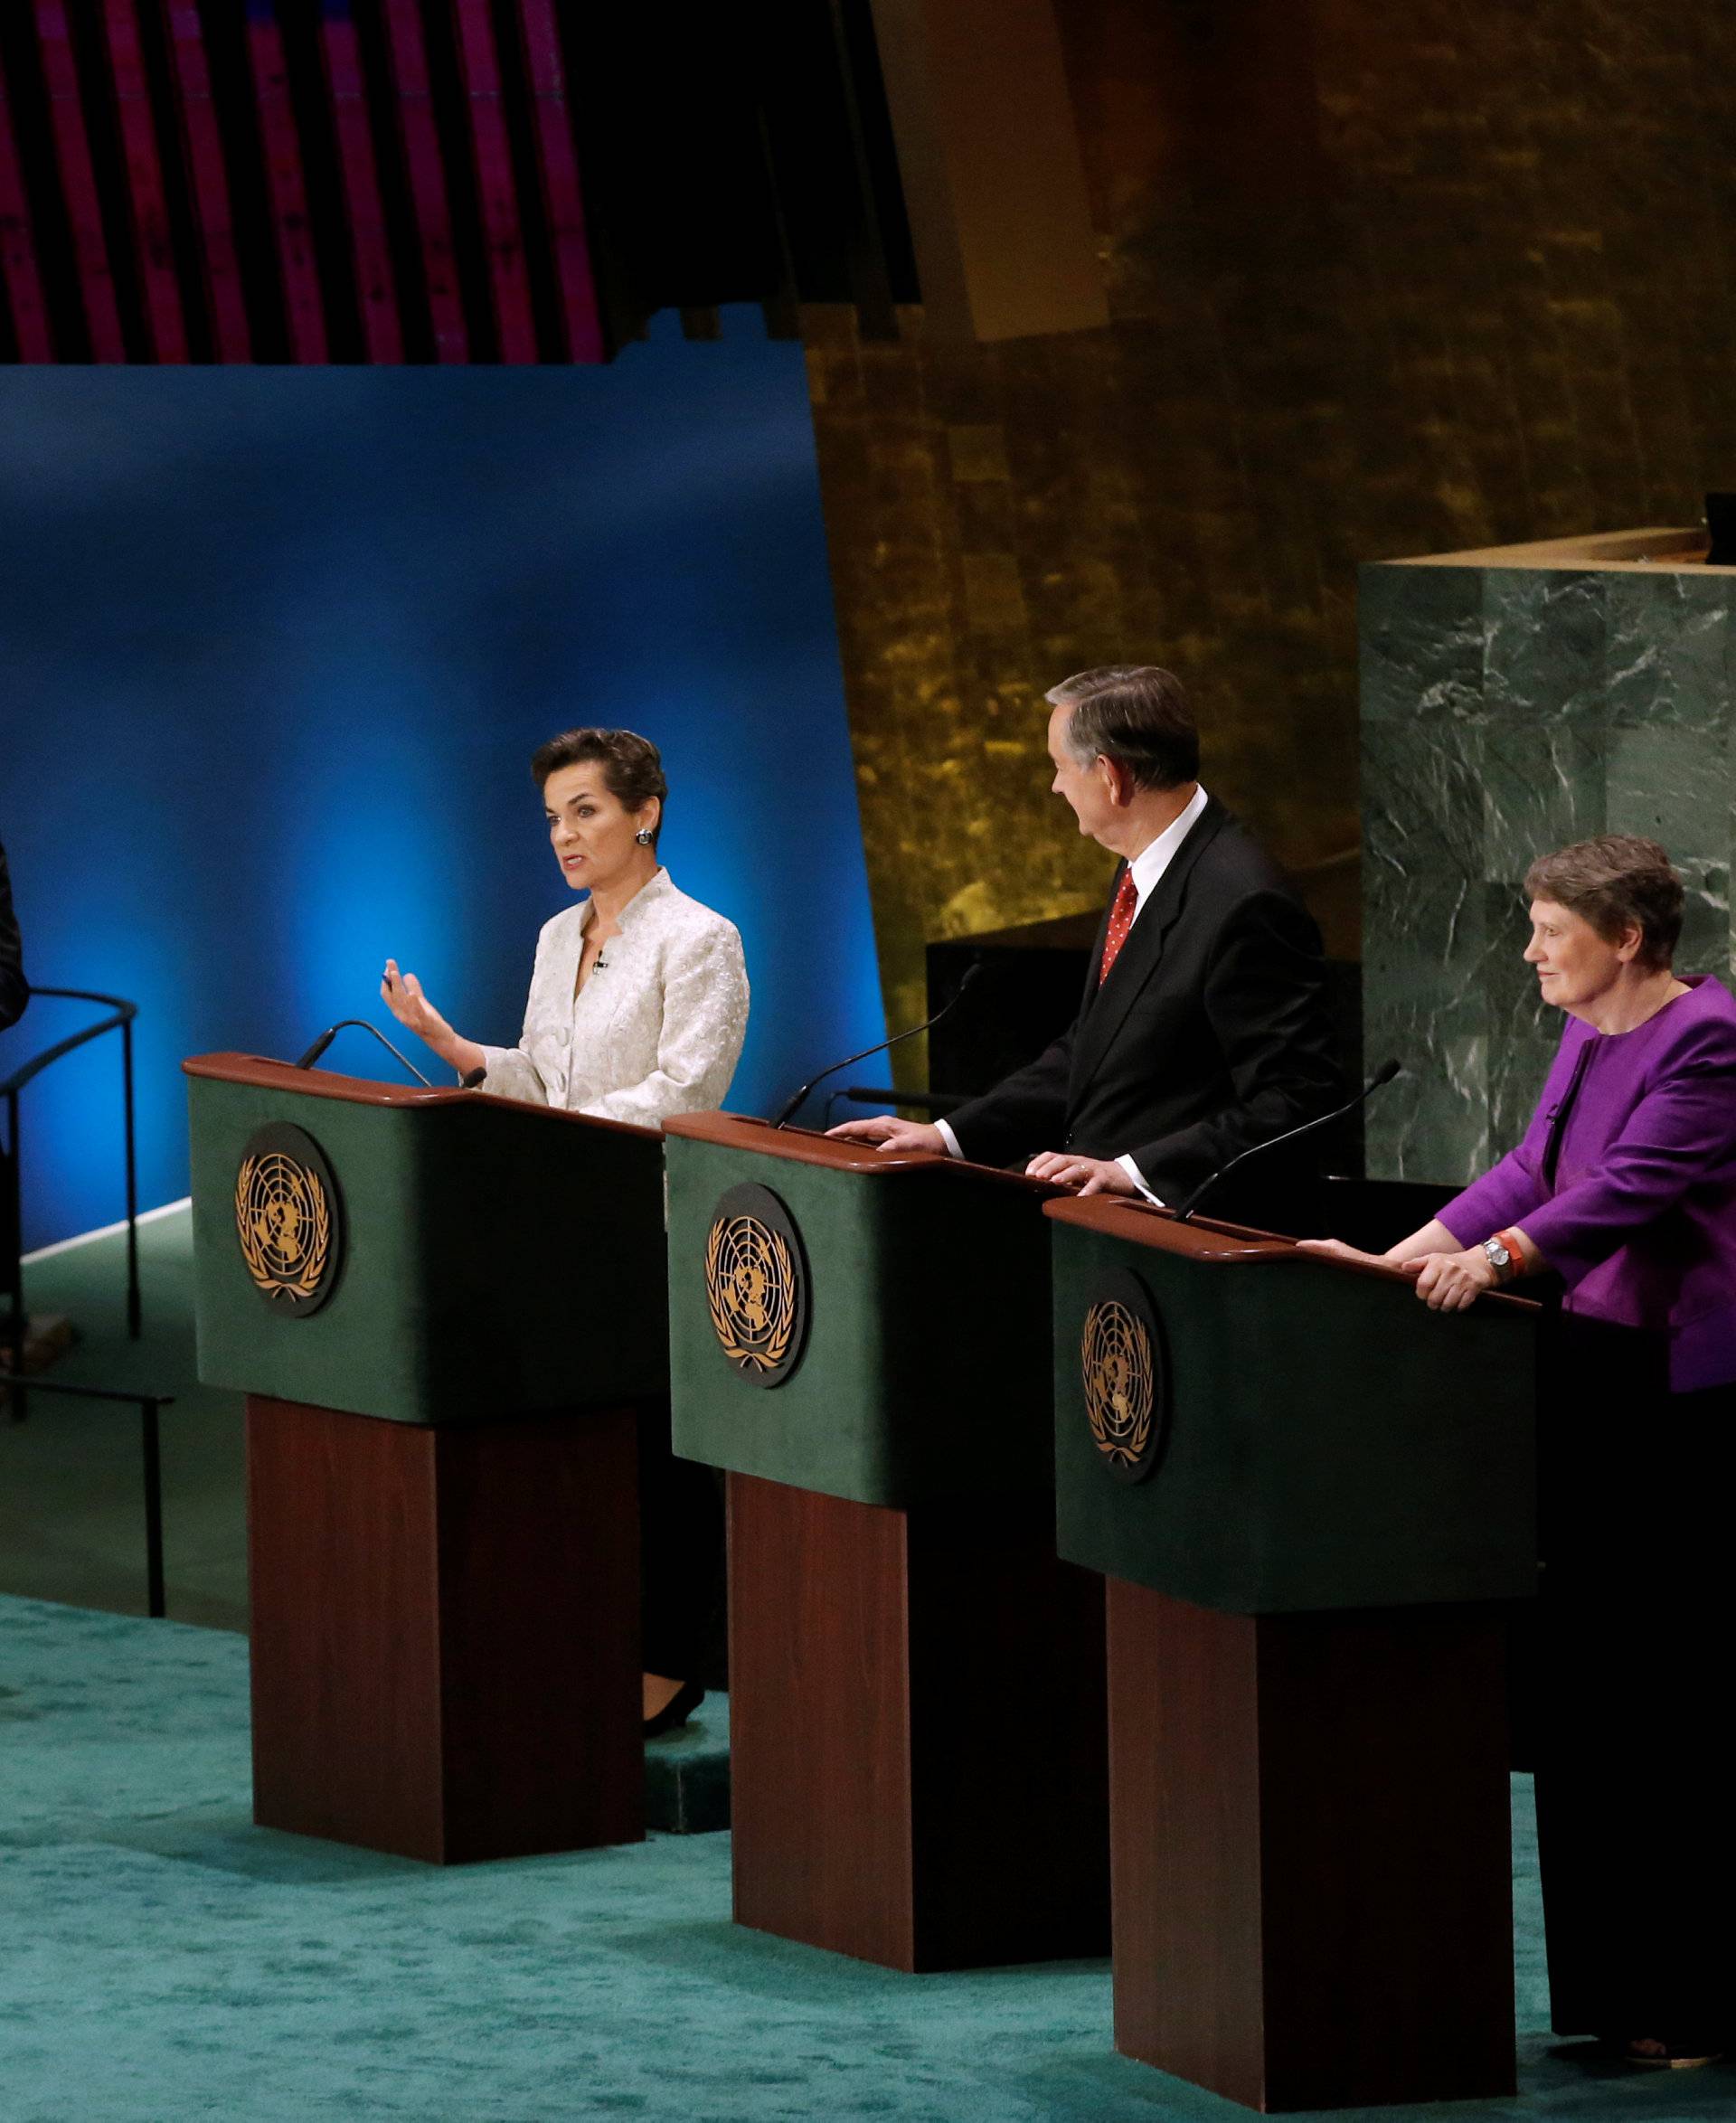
<point>1220,1245</point>
<point>261,1073</point>
<point>801,1146</point>
<point>1654,547</point>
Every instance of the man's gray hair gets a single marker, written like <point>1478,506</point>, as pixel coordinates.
<point>1136,714</point>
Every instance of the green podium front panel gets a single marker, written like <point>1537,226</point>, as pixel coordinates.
<point>922,1354</point>
<point>482,1256</point>
<point>1319,1439</point>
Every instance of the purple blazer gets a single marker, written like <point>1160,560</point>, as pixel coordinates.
<point>1638,1211</point>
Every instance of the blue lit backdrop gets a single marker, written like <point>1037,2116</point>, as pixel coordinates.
<point>278,645</point>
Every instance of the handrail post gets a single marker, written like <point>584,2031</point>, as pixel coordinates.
<point>150,1407</point>
<point>156,1603</point>
<point>124,1012</point>
<point>15,1262</point>
<point>133,1309</point>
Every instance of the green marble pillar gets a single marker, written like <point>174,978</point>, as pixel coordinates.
<point>1512,701</point>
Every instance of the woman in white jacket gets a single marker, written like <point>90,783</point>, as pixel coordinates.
<point>638,1009</point>
<point>638,999</point>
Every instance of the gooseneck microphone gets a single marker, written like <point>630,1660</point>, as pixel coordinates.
<point>331,1033</point>
<point>970,973</point>
<point>1382,1075</point>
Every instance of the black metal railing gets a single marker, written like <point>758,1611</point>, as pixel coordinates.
<point>149,1406</point>
<point>122,1013</point>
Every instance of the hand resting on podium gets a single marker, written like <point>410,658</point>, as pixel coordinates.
<point>1448,1276</point>
<point>1061,1168</point>
<point>886,1131</point>
<point>1084,1176</point>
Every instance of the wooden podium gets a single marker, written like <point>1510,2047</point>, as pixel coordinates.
<point>445,1310</point>
<point>916,1708</point>
<point>1314,1501</point>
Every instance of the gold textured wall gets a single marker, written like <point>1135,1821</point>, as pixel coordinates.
<point>1382,281</point>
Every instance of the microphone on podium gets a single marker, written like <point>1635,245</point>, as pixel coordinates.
<point>1382,1075</point>
<point>331,1033</point>
<point>970,973</point>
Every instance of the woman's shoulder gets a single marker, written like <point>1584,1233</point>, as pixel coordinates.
<point>693,919</point>
<point>1707,997</point>
<point>1703,1019</point>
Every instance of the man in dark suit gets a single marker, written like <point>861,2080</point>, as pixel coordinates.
<point>15,991</point>
<point>1204,1028</point>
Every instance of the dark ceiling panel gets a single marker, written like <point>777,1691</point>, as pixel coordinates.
<point>153,241</point>
<point>377,288</point>
<point>509,279</point>
<point>418,138</point>
<point>195,126</point>
<point>286,186</point>
<point>83,201</point>
<point>563,205</point>
<point>433,180</point>
<point>27,304</point>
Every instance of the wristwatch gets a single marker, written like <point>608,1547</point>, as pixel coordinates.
<point>1499,1258</point>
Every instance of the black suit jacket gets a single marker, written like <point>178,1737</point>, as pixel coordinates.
<point>13,990</point>
<point>1210,1035</point>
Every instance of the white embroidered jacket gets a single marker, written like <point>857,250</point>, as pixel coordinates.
<point>655,1030</point>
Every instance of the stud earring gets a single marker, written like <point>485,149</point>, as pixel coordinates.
<point>643,837</point>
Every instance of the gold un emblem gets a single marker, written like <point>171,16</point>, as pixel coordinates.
<point>753,1290</point>
<point>283,1217</point>
<point>1116,1362</point>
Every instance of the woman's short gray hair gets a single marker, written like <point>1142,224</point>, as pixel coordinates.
<point>1136,714</point>
<point>1616,880</point>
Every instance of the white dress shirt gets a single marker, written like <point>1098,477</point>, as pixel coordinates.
<point>1147,869</point>
<point>655,1030</point>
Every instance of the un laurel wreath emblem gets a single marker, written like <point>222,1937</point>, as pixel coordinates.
<point>1125,1371</point>
<point>756,1285</point>
<point>288,1218</point>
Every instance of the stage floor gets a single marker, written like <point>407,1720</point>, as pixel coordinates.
<point>172,1960</point>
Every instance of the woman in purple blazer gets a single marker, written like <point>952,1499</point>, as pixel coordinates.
<point>1625,1187</point>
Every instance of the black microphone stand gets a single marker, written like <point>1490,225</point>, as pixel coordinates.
<point>1382,1075</point>
<point>326,1037</point>
<point>971,971</point>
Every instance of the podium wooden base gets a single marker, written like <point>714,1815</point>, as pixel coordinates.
<point>1312,1852</point>
<point>917,1731</point>
<point>445,1631</point>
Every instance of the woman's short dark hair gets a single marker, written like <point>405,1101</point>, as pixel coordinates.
<point>632,765</point>
<point>1612,882</point>
<point>1136,714</point>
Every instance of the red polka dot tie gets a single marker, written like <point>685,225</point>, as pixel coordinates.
<point>1127,905</point>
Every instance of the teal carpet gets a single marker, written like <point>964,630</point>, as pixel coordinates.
<point>161,1958</point>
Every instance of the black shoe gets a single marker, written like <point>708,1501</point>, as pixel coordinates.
<point>1640,2054</point>
<point>679,1708</point>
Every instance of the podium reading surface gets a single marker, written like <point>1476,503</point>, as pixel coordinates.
<point>444,1309</point>
<point>1313,1499</point>
<point>862,1341</point>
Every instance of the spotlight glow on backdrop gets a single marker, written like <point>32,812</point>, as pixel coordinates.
<point>278,644</point>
